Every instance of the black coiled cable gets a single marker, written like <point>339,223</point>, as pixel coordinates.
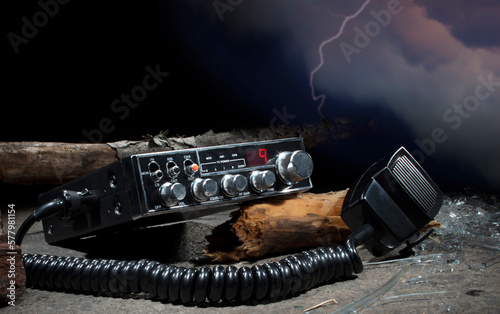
<point>274,280</point>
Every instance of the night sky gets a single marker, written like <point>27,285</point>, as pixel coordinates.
<point>428,71</point>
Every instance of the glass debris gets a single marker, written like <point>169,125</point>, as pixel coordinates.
<point>417,280</point>
<point>420,296</point>
<point>464,221</point>
<point>468,221</point>
<point>370,297</point>
<point>433,263</point>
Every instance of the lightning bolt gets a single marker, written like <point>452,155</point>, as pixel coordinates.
<point>322,97</point>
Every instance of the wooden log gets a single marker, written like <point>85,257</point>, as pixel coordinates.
<point>279,225</point>
<point>56,163</point>
<point>51,163</point>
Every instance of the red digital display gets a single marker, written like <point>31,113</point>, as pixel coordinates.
<point>256,157</point>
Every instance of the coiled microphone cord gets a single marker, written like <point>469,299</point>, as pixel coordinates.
<point>274,280</point>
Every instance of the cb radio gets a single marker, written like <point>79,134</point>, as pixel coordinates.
<point>154,188</point>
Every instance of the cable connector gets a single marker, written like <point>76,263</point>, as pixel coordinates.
<point>67,205</point>
<point>74,203</point>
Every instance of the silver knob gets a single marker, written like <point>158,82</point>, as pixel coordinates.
<point>233,184</point>
<point>261,180</point>
<point>170,193</point>
<point>294,166</point>
<point>172,169</point>
<point>202,189</point>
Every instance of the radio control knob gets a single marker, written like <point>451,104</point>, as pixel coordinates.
<point>233,184</point>
<point>294,166</point>
<point>202,189</point>
<point>170,193</point>
<point>261,180</point>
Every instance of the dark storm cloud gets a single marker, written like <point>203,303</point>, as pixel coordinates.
<point>420,64</point>
<point>474,23</point>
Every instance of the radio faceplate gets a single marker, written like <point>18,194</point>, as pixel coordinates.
<point>178,185</point>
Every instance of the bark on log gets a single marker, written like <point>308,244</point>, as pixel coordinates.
<point>56,163</point>
<point>51,163</point>
<point>279,225</point>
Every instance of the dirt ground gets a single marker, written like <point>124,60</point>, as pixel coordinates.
<point>456,270</point>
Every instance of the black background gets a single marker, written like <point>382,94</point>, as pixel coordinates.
<point>66,77</point>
